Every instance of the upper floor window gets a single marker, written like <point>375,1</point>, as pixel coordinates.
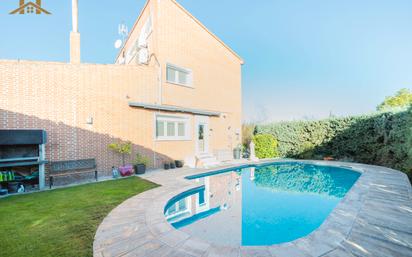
<point>178,75</point>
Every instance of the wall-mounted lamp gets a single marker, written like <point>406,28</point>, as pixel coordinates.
<point>89,120</point>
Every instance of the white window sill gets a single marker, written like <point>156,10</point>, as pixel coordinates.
<point>172,139</point>
<point>179,84</point>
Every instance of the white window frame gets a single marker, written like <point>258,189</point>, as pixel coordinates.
<point>176,82</point>
<point>176,119</point>
<point>188,209</point>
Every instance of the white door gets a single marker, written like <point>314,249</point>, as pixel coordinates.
<point>202,134</point>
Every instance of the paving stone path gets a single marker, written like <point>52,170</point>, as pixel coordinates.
<point>373,219</point>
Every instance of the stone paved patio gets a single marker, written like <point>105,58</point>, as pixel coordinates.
<point>374,219</point>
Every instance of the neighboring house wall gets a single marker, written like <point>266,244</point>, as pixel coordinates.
<point>60,98</point>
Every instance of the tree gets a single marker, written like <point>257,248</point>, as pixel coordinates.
<point>122,148</point>
<point>403,98</point>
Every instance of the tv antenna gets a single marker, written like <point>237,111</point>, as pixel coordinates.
<point>123,32</point>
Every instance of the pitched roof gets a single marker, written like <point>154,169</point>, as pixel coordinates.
<point>30,4</point>
<point>192,17</point>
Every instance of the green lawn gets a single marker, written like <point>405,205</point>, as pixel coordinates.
<point>61,222</point>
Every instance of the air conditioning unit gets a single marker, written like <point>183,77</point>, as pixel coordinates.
<point>122,60</point>
<point>142,42</point>
<point>143,56</point>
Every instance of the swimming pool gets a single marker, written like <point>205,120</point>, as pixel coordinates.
<point>259,205</point>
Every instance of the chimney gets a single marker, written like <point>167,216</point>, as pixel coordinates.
<point>38,2</point>
<point>75,35</point>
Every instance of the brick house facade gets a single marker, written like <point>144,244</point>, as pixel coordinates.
<point>184,82</point>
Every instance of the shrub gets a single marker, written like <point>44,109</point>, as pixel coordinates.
<point>141,159</point>
<point>382,139</point>
<point>265,146</point>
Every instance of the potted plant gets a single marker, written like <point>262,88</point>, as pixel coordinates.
<point>140,164</point>
<point>236,152</point>
<point>167,166</point>
<point>123,149</point>
<point>179,163</point>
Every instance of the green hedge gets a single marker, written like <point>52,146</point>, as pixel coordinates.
<point>265,146</point>
<point>382,138</point>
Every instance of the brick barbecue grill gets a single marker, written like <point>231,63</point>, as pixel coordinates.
<point>22,152</point>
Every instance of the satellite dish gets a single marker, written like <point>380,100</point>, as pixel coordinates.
<point>118,44</point>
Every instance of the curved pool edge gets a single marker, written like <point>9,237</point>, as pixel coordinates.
<point>138,225</point>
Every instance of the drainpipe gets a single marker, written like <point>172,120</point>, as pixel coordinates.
<point>159,79</point>
<point>159,85</point>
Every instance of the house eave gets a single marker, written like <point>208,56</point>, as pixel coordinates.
<point>171,108</point>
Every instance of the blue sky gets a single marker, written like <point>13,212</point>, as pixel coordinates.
<point>303,58</point>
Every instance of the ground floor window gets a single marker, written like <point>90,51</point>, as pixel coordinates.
<point>170,127</point>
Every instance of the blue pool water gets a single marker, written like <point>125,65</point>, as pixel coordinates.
<point>262,205</point>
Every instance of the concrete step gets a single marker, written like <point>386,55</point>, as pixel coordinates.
<point>211,164</point>
<point>206,160</point>
<point>204,155</point>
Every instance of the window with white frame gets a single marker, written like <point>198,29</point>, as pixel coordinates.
<point>172,127</point>
<point>178,75</point>
<point>179,210</point>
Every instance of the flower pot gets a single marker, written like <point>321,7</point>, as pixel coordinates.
<point>13,187</point>
<point>172,165</point>
<point>236,153</point>
<point>126,170</point>
<point>167,166</point>
<point>115,172</point>
<point>140,168</point>
<point>179,164</point>
<point>4,191</point>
